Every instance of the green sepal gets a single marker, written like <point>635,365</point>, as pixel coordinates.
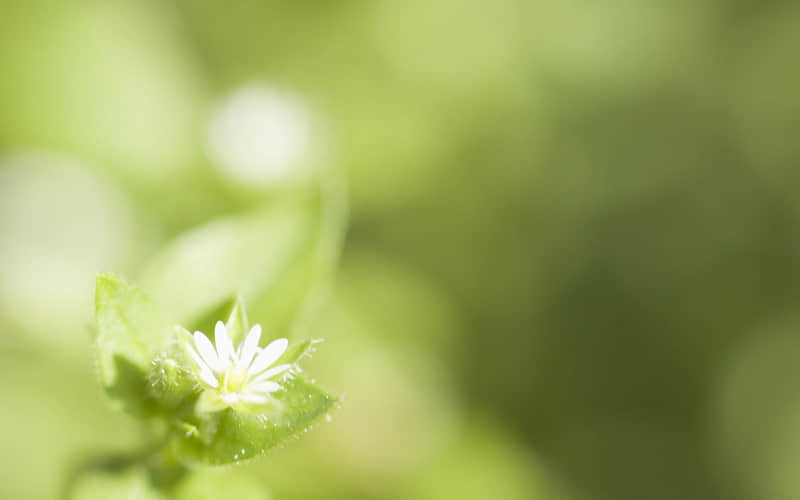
<point>233,435</point>
<point>237,321</point>
<point>294,353</point>
<point>232,308</point>
<point>171,382</point>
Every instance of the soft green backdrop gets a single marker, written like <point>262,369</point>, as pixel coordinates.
<point>571,266</point>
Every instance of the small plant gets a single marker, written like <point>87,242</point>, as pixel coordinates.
<point>207,403</point>
<point>210,388</point>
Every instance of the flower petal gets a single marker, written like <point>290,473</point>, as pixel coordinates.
<point>249,347</point>
<point>205,372</point>
<point>207,351</point>
<point>275,370</point>
<point>269,355</point>
<point>230,398</point>
<point>253,398</point>
<point>266,387</point>
<point>208,377</point>
<point>196,357</point>
<point>224,344</point>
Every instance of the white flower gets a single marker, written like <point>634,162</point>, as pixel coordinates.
<point>231,376</point>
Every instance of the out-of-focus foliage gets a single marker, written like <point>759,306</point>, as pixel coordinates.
<point>136,483</point>
<point>571,265</point>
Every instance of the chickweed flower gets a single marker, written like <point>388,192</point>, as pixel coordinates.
<point>233,376</point>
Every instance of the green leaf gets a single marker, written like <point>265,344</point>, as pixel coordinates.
<point>289,302</point>
<point>128,332</point>
<point>202,268</point>
<point>212,484</point>
<point>277,258</point>
<point>136,481</point>
<point>130,389</point>
<point>131,483</point>
<point>235,435</point>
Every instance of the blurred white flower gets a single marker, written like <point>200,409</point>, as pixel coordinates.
<point>231,376</point>
<point>258,135</point>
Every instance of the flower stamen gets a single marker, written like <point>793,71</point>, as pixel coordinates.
<point>234,375</point>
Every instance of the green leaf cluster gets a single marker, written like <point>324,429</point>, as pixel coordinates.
<point>276,259</point>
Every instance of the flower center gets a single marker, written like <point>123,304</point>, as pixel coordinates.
<point>235,378</point>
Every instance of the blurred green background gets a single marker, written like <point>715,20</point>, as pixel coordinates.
<point>571,265</point>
